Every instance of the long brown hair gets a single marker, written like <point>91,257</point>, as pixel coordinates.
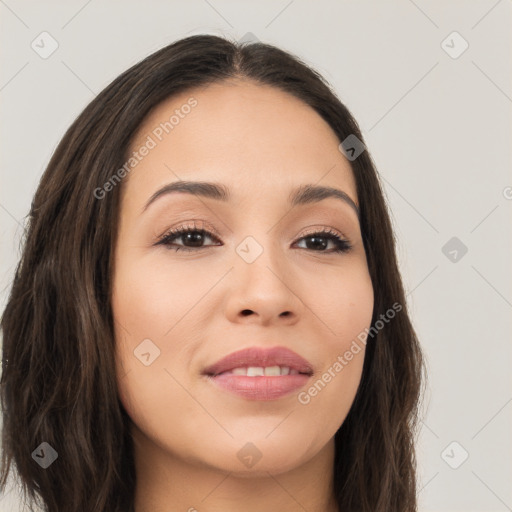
<point>58,383</point>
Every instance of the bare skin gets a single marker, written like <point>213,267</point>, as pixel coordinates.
<point>201,305</point>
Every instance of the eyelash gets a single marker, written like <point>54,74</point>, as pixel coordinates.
<point>342,245</point>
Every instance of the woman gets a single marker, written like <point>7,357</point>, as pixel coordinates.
<point>208,312</point>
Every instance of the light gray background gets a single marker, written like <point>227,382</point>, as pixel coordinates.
<point>438,128</point>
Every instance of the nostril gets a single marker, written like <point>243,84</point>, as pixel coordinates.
<point>246,312</point>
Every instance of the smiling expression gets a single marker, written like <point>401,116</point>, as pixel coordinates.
<point>238,251</point>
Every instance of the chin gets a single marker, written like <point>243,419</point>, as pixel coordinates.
<point>259,458</point>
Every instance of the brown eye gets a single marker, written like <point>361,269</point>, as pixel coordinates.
<point>321,239</point>
<point>194,239</point>
<point>191,239</point>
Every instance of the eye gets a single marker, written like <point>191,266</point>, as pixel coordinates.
<point>188,235</point>
<point>193,237</point>
<point>320,239</point>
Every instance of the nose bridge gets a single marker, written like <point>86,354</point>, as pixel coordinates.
<point>261,277</point>
<point>260,248</point>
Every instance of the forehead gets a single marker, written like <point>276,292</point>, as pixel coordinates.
<point>255,138</point>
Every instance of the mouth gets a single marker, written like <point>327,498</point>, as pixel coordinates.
<point>260,374</point>
<point>258,361</point>
<point>260,371</point>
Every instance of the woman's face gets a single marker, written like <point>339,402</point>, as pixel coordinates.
<point>259,281</point>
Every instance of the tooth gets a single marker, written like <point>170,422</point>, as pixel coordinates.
<point>272,371</point>
<point>257,371</point>
<point>253,371</point>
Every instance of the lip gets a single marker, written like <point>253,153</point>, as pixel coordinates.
<point>260,387</point>
<point>258,356</point>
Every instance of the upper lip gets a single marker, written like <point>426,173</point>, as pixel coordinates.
<point>258,356</point>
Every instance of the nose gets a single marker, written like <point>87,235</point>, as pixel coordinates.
<point>262,291</point>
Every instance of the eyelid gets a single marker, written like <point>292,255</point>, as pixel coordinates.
<point>342,243</point>
<point>192,225</point>
<point>324,229</point>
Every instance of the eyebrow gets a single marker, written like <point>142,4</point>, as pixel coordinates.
<point>302,195</point>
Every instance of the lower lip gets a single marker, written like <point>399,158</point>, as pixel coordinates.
<point>261,387</point>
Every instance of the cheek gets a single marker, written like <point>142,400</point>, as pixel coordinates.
<point>151,296</point>
<point>343,302</point>
<point>344,305</point>
<point>142,314</point>
<point>152,303</point>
